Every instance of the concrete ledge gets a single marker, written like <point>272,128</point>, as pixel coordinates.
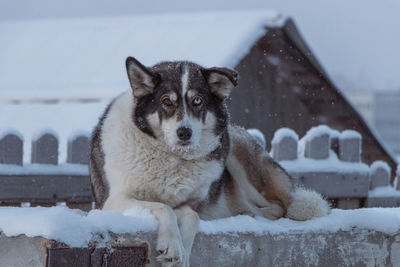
<point>357,247</point>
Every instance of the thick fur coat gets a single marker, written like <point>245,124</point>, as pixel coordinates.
<point>167,145</point>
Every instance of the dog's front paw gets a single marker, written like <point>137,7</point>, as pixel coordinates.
<point>171,252</point>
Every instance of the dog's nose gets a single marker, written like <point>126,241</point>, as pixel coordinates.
<point>184,133</point>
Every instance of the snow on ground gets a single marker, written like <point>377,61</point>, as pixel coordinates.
<point>77,228</point>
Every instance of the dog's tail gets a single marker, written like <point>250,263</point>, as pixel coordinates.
<point>306,204</point>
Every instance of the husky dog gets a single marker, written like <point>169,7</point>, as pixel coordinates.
<point>167,145</point>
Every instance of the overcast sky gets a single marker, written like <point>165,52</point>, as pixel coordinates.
<point>356,41</point>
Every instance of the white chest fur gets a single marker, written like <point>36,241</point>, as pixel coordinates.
<point>136,168</point>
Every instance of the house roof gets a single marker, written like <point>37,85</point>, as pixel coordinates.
<point>85,56</point>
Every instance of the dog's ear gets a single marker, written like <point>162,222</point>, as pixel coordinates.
<point>221,80</point>
<point>142,80</point>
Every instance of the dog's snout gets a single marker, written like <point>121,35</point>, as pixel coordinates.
<point>184,133</point>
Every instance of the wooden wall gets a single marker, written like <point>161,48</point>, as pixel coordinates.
<point>281,84</point>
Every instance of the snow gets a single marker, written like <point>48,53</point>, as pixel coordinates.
<point>258,135</point>
<point>317,131</point>
<point>78,133</point>
<point>47,169</point>
<point>6,131</point>
<point>350,134</point>
<point>273,60</point>
<point>384,191</point>
<point>64,117</point>
<point>379,165</point>
<point>312,133</point>
<point>85,56</point>
<point>331,164</point>
<point>386,220</point>
<point>78,229</point>
<point>282,133</point>
<point>335,133</point>
<point>334,41</point>
<point>43,131</point>
<point>74,227</point>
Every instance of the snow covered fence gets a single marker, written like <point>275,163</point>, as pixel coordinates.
<point>44,147</point>
<point>324,159</point>
<point>44,181</point>
<point>329,161</point>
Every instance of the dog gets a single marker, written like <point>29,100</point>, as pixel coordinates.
<point>167,145</point>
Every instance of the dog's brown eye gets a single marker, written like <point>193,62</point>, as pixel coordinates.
<point>197,101</point>
<point>166,101</point>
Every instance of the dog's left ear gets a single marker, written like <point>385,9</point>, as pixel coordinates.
<point>221,80</point>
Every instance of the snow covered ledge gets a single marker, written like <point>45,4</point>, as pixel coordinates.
<point>366,237</point>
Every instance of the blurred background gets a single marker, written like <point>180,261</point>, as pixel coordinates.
<point>62,61</point>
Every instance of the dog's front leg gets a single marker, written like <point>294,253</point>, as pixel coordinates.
<point>169,242</point>
<point>188,222</point>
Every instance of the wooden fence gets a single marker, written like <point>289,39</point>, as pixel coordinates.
<point>330,162</point>
<point>44,182</point>
<point>324,159</point>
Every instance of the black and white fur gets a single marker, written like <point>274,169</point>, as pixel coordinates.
<point>167,145</point>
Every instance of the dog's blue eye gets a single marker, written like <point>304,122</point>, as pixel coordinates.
<point>197,101</point>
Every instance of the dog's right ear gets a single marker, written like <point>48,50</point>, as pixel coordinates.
<point>142,80</point>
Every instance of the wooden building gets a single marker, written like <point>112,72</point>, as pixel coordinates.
<point>282,85</point>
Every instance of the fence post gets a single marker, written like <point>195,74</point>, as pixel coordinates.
<point>78,148</point>
<point>350,146</point>
<point>45,147</point>
<point>335,141</point>
<point>11,147</point>
<point>379,174</point>
<point>317,142</point>
<point>284,144</point>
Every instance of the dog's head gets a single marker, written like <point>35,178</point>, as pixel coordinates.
<point>181,104</point>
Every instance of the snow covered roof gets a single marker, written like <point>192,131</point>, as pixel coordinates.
<point>84,57</point>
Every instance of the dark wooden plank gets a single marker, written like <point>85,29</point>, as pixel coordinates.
<point>335,185</point>
<point>78,150</point>
<point>97,257</point>
<point>85,206</point>
<point>11,149</point>
<point>120,257</point>
<point>67,257</point>
<point>45,149</point>
<point>45,188</point>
